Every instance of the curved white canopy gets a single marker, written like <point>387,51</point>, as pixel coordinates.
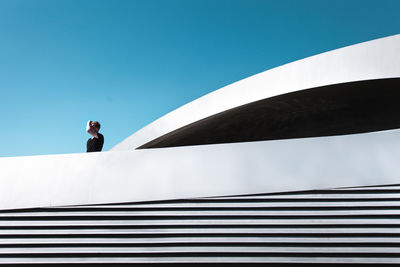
<point>375,59</point>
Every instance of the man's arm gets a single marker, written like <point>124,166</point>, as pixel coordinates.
<point>88,125</point>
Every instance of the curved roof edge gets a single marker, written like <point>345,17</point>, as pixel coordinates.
<point>374,59</point>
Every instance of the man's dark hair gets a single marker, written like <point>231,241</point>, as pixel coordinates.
<point>96,124</point>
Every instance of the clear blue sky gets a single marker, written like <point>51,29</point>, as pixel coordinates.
<point>127,63</point>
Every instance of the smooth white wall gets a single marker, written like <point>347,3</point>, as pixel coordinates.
<point>200,171</point>
<point>375,59</point>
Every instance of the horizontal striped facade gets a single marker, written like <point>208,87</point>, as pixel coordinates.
<point>347,225</point>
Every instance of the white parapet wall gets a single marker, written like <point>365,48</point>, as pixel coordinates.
<point>200,171</point>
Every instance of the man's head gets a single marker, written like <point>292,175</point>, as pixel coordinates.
<point>96,126</point>
<point>93,128</point>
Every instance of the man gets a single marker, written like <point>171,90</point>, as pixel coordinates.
<point>95,143</point>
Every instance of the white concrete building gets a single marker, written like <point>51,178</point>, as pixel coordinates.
<point>256,172</point>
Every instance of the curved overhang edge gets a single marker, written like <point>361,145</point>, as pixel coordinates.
<point>376,59</point>
<point>339,109</point>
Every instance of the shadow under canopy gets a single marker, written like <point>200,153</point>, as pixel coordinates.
<point>347,108</point>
